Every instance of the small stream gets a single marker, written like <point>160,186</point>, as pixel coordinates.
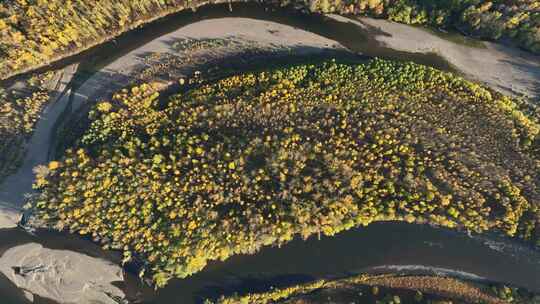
<point>420,248</point>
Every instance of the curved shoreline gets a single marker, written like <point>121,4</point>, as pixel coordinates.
<point>410,269</point>
<point>103,82</point>
<point>95,42</point>
<point>348,253</point>
<point>357,286</point>
<point>15,187</point>
<point>87,90</point>
<point>391,35</point>
<point>354,252</point>
<point>506,69</point>
<point>40,272</point>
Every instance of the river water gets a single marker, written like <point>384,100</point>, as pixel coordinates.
<point>348,34</point>
<point>377,248</point>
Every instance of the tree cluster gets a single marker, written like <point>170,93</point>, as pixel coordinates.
<point>518,20</point>
<point>384,289</point>
<point>19,111</point>
<point>255,159</point>
<point>34,32</point>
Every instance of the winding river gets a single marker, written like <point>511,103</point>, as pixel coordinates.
<point>378,248</point>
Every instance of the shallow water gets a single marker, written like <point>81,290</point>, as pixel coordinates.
<point>357,250</point>
<point>354,251</point>
<point>10,293</point>
<point>378,248</point>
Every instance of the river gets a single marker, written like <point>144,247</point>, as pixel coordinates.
<point>377,248</point>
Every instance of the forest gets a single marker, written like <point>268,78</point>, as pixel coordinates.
<point>255,159</point>
<point>36,32</point>
<point>517,20</point>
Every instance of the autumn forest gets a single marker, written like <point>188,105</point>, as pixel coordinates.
<point>179,161</point>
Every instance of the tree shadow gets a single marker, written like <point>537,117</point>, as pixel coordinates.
<point>249,284</point>
<point>89,87</point>
<point>360,39</point>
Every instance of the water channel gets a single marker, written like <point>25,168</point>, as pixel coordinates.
<point>377,248</point>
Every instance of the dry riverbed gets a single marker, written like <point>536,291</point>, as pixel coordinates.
<point>63,275</point>
<point>507,69</point>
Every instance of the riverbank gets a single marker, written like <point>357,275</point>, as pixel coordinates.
<point>417,249</point>
<point>116,74</point>
<point>133,66</point>
<point>36,53</point>
<point>504,65</point>
<point>263,36</point>
<point>386,289</point>
<point>21,104</point>
<point>506,69</point>
<point>9,216</point>
<point>94,41</point>
<point>61,275</point>
<point>16,187</point>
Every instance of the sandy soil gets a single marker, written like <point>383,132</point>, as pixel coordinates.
<point>504,68</point>
<point>15,187</point>
<point>263,34</point>
<point>120,72</point>
<point>60,275</point>
<point>72,276</point>
<point>9,216</point>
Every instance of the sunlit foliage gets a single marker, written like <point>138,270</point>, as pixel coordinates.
<point>384,289</point>
<point>34,32</point>
<point>19,112</point>
<point>258,158</point>
<point>518,20</point>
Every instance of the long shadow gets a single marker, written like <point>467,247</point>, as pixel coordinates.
<point>349,252</point>
<point>74,121</point>
<point>356,38</point>
<point>250,284</point>
<point>54,240</point>
<point>352,252</point>
<point>9,293</point>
